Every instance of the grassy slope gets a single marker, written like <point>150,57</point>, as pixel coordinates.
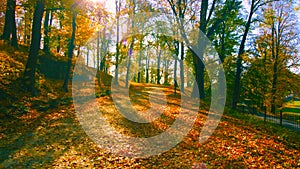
<point>44,132</point>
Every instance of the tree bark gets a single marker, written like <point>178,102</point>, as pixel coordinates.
<point>71,46</point>
<point>166,73</point>
<point>236,91</point>
<point>129,64</point>
<point>29,74</point>
<point>87,56</point>
<point>118,8</point>
<point>58,47</point>
<point>181,67</point>
<point>158,66</point>
<point>147,66</point>
<point>140,62</point>
<point>275,68</point>
<point>46,31</point>
<point>98,58</point>
<point>103,50</point>
<point>199,65</point>
<point>175,76</point>
<point>10,29</point>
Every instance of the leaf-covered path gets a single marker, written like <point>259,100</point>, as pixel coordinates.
<point>44,131</point>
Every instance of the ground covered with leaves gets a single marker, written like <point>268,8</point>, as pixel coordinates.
<point>44,132</point>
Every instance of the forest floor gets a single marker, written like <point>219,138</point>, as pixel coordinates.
<point>45,132</point>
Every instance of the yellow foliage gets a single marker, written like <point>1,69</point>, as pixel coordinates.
<point>10,69</point>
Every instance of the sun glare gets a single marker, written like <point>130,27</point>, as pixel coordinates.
<point>109,5</point>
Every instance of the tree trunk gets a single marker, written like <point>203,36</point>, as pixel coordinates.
<point>181,67</point>
<point>129,64</point>
<point>118,8</point>
<point>103,50</point>
<point>46,31</point>
<point>274,81</point>
<point>70,52</point>
<point>199,66</point>
<point>29,74</point>
<point>14,40</point>
<point>87,56</point>
<point>10,30</point>
<point>166,73</point>
<point>236,91</point>
<point>198,88</point>
<point>58,39</point>
<point>8,16</point>
<point>98,59</point>
<point>98,50</point>
<point>222,56</point>
<point>140,62</point>
<point>158,66</point>
<point>175,76</point>
<point>147,66</point>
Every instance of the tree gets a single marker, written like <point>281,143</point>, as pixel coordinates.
<point>29,74</point>
<point>132,5</point>
<point>280,23</point>
<point>269,78</point>
<point>118,13</point>
<point>207,27</point>
<point>71,46</point>
<point>255,5</point>
<point>46,32</point>
<point>10,29</point>
<point>179,9</point>
<point>225,39</point>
